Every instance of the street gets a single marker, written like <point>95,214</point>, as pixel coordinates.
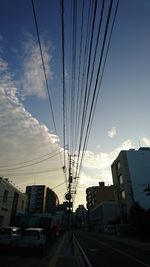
<point>18,258</point>
<point>108,251</point>
<point>99,250</point>
<point>58,254</point>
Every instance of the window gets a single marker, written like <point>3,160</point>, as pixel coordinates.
<point>22,205</point>
<point>5,196</point>
<point>120,179</point>
<point>123,195</point>
<point>118,165</point>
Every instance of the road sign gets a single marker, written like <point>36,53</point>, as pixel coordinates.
<point>67,196</point>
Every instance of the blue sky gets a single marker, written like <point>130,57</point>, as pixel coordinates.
<point>26,129</point>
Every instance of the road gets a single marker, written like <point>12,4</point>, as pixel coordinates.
<point>101,251</point>
<point>18,258</point>
<point>58,254</point>
<point>107,251</point>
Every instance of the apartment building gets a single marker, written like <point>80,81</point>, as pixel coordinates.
<point>12,201</point>
<point>36,195</point>
<point>52,201</point>
<point>131,178</point>
<point>97,194</point>
<point>41,199</point>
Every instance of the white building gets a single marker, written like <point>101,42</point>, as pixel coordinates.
<point>12,201</point>
<point>131,176</point>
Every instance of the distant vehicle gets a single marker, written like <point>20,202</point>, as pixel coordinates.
<point>33,238</point>
<point>9,236</point>
<point>110,229</point>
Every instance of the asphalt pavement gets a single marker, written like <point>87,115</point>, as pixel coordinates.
<point>62,255</point>
<point>106,251</point>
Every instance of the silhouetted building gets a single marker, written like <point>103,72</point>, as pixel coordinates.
<point>41,199</point>
<point>36,198</point>
<point>96,194</point>
<point>81,216</point>
<point>131,178</point>
<point>52,201</point>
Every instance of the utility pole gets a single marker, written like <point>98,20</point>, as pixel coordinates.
<point>68,197</point>
<point>70,182</point>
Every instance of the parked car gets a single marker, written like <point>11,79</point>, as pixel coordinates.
<point>9,236</point>
<point>110,229</point>
<point>33,238</point>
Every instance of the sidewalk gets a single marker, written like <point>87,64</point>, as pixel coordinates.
<point>62,255</point>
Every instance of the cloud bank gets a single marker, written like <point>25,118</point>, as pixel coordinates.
<point>23,139</point>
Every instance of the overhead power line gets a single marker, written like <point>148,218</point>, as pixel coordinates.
<point>43,65</point>
<point>29,165</point>
<point>96,92</point>
<point>30,160</point>
<point>63,71</point>
<point>96,82</point>
<point>73,73</point>
<point>29,173</point>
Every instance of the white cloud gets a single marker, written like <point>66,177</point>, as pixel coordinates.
<point>97,166</point>
<point>33,80</point>
<point>112,132</point>
<point>23,140</point>
<point>145,141</point>
<point>103,160</point>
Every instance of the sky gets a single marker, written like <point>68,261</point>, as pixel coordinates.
<point>31,151</point>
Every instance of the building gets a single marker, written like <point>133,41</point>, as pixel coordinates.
<point>41,199</point>
<point>36,195</point>
<point>12,201</point>
<point>103,214</point>
<point>97,194</point>
<point>81,216</point>
<point>131,178</point>
<point>52,201</point>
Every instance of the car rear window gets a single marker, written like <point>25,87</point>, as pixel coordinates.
<point>30,233</point>
<point>5,231</point>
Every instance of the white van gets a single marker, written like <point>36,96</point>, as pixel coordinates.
<point>33,238</point>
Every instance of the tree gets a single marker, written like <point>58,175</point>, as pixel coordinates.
<point>140,218</point>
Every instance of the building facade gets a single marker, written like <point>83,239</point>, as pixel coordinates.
<point>41,199</point>
<point>131,176</point>
<point>97,194</point>
<point>81,216</point>
<point>36,195</point>
<point>103,214</point>
<point>52,201</point>
<point>12,201</point>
